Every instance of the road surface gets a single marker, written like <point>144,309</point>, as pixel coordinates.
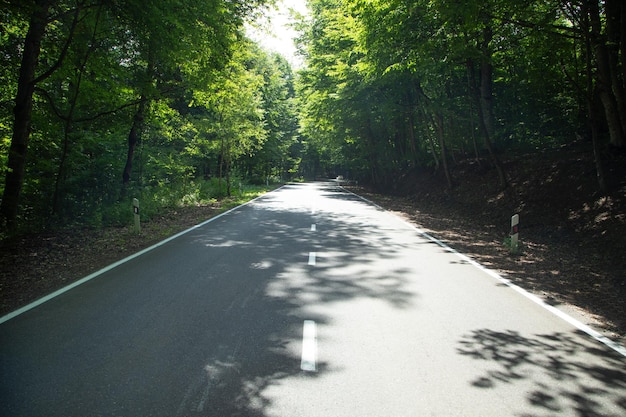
<point>306,302</point>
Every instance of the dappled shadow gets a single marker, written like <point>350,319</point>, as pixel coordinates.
<point>559,373</point>
<point>556,261</point>
<point>205,324</point>
<point>258,345</point>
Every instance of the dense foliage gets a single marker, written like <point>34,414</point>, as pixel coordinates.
<point>105,100</point>
<point>392,86</point>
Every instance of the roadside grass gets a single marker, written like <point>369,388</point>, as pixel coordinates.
<point>514,250</point>
<point>162,199</point>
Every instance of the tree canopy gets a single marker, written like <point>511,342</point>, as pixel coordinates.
<point>102,99</point>
<point>395,85</point>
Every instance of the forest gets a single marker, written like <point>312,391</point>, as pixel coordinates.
<point>169,101</point>
<point>393,86</point>
<point>107,100</point>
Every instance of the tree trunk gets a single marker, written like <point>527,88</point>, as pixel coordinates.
<point>605,78</point>
<point>483,120</point>
<point>412,138</point>
<point>220,174</point>
<point>622,46</point>
<point>421,94</point>
<point>227,167</point>
<point>442,144</point>
<point>69,119</point>
<point>23,114</point>
<point>134,137</point>
<point>470,86</point>
<point>60,176</point>
<point>228,181</point>
<point>486,83</point>
<point>613,10</point>
<point>594,121</point>
<point>592,96</point>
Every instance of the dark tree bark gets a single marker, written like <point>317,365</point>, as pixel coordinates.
<point>134,137</point>
<point>485,104</point>
<point>606,77</point>
<point>484,120</point>
<point>422,97</point>
<point>622,45</point>
<point>470,87</point>
<point>592,97</point>
<point>438,120</point>
<point>23,110</point>
<point>594,123</point>
<point>69,120</point>
<point>23,113</point>
<point>614,31</point>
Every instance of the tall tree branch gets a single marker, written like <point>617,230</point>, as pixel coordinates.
<point>65,49</point>
<point>91,118</point>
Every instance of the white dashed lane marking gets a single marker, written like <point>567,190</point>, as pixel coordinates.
<point>309,346</point>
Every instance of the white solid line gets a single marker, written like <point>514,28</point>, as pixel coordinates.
<point>118,263</point>
<point>313,228</point>
<point>564,316</point>
<point>309,346</point>
<point>311,258</point>
<point>532,297</point>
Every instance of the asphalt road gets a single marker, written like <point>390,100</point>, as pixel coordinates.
<point>306,302</point>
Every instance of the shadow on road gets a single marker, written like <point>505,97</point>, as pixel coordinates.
<point>259,332</point>
<point>555,370</point>
<point>213,330</point>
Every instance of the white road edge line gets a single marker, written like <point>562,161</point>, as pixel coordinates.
<point>312,258</point>
<point>564,316</point>
<point>309,346</point>
<point>120,262</point>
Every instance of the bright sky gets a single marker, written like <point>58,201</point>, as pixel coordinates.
<point>273,31</point>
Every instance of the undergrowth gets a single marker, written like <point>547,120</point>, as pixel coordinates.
<point>156,199</point>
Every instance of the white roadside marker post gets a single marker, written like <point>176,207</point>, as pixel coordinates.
<point>136,213</point>
<point>515,233</point>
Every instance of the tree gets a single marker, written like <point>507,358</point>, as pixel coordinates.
<point>177,41</point>
<point>279,155</point>
<point>607,41</point>
<point>39,12</point>
<point>397,78</point>
<point>330,86</point>
<point>238,113</point>
<point>154,51</point>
